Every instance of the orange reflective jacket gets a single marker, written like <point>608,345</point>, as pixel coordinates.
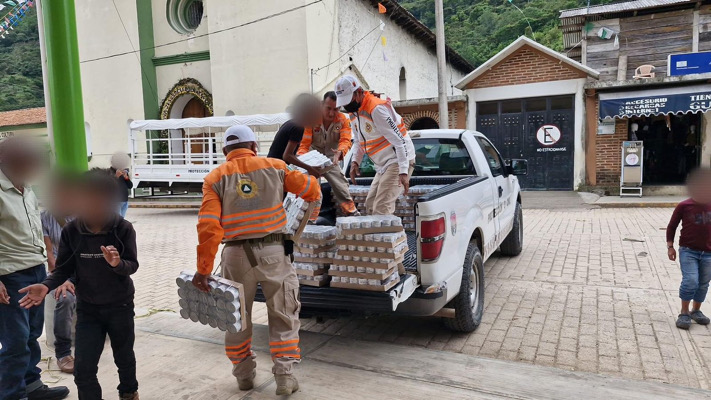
<point>336,136</point>
<point>242,199</point>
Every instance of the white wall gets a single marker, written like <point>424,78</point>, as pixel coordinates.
<point>168,75</point>
<point>111,88</point>
<point>357,17</point>
<point>258,68</point>
<point>322,27</point>
<point>163,33</point>
<point>554,88</point>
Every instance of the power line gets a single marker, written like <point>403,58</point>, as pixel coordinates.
<point>205,34</point>
<point>349,49</point>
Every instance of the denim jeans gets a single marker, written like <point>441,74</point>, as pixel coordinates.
<point>19,330</point>
<point>63,320</point>
<point>695,274</point>
<point>93,324</point>
<point>123,207</point>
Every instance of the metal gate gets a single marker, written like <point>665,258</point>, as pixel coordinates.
<point>540,130</point>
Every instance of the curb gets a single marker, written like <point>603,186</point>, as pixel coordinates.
<point>164,205</point>
<point>636,205</point>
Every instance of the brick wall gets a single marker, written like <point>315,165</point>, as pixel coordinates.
<point>609,154</point>
<point>526,65</point>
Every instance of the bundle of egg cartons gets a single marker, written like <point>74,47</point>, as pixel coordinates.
<point>220,308</point>
<point>297,214</point>
<point>370,253</point>
<point>314,253</point>
<point>358,194</point>
<point>315,159</point>
<point>405,206</point>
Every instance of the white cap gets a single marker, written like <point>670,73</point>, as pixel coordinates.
<point>345,87</point>
<point>239,134</point>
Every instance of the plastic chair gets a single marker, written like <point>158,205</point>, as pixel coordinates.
<point>644,72</point>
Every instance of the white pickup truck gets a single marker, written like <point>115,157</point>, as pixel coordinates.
<point>458,227</point>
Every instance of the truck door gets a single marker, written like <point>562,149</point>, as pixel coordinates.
<point>503,189</point>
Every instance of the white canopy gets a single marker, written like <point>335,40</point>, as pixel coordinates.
<point>216,122</point>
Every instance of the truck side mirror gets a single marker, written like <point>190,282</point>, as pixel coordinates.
<point>517,167</point>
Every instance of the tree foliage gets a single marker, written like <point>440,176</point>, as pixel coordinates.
<point>21,67</point>
<point>478,29</point>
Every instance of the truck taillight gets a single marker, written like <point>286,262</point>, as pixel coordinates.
<point>432,232</point>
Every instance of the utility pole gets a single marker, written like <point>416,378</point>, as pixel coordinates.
<point>441,65</point>
<point>64,81</point>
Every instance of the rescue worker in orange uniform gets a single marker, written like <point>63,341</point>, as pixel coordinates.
<point>242,207</point>
<point>332,137</point>
<point>379,133</point>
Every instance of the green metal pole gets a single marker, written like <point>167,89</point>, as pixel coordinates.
<point>64,78</point>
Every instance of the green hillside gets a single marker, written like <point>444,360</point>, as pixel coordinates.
<point>478,29</point>
<point>20,66</point>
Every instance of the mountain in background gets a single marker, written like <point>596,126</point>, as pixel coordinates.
<point>476,29</point>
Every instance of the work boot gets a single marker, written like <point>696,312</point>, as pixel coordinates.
<point>699,317</point>
<point>286,385</point>
<point>48,393</point>
<point>66,364</point>
<point>247,383</point>
<point>683,322</point>
<point>128,396</point>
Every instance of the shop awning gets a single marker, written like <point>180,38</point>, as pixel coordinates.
<point>676,100</point>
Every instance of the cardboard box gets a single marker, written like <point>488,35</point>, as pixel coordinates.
<point>313,260</point>
<point>313,283</point>
<point>378,288</point>
<point>380,229</point>
<point>308,250</point>
<point>309,272</point>
<point>365,275</point>
<point>385,245</point>
<point>370,264</point>
<point>305,221</point>
<point>356,253</point>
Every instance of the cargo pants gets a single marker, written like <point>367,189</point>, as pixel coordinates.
<point>281,289</point>
<point>385,190</point>
<point>340,190</point>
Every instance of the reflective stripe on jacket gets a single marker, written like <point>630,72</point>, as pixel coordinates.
<point>242,199</point>
<point>380,133</point>
<point>336,136</point>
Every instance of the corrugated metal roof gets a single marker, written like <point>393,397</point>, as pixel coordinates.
<point>621,7</point>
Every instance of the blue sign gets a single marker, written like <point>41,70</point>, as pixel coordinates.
<point>689,63</point>
<point>656,105</point>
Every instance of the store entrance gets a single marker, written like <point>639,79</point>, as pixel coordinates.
<point>672,146</point>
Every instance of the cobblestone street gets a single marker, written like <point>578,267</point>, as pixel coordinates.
<point>592,291</point>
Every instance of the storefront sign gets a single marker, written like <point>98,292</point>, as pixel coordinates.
<point>606,127</point>
<point>689,63</point>
<point>655,105</point>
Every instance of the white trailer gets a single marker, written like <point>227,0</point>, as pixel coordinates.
<point>176,154</point>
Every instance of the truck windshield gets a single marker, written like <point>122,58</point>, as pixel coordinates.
<point>433,157</point>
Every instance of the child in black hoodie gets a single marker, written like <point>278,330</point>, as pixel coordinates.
<point>98,248</point>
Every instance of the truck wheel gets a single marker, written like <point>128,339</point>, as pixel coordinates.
<point>469,303</point>
<point>513,244</point>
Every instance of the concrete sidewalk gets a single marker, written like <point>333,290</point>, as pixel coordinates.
<point>178,359</point>
<point>638,202</point>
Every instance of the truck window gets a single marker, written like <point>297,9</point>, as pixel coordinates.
<point>492,156</point>
<point>433,157</point>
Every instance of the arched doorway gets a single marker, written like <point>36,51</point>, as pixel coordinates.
<point>403,84</point>
<point>424,123</point>
<point>199,143</point>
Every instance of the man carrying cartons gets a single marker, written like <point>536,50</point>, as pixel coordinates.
<point>381,134</point>
<point>332,137</point>
<point>242,207</point>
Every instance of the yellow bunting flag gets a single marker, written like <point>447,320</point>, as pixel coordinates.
<point>383,40</point>
<point>381,8</point>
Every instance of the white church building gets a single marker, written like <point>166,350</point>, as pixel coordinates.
<point>169,59</point>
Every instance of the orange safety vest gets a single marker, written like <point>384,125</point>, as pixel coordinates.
<point>242,199</point>
<point>338,135</point>
<point>371,141</point>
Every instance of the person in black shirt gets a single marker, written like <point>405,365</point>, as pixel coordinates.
<point>305,111</point>
<point>99,249</point>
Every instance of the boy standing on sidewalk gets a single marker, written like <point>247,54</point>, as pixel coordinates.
<point>694,246</point>
<point>99,249</point>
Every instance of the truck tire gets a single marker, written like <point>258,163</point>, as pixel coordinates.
<point>513,244</point>
<point>469,303</point>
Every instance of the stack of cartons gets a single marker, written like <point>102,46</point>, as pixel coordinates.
<point>313,158</point>
<point>405,206</point>
<point>223,307</point>
<point>314,253</point>
<point>297,215</point>
<point>370,253</point>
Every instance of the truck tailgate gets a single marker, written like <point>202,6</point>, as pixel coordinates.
<point>314,299</point>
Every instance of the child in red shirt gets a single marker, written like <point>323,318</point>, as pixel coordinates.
<point>694,246</point>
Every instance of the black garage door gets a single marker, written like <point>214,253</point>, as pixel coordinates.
<point>539,129</point>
